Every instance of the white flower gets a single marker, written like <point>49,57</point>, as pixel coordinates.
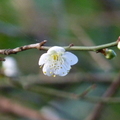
<point>118,45</point>
<point>57,62</point>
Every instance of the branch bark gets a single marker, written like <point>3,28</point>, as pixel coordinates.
<point>22,48</point>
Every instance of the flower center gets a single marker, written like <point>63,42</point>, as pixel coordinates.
<point>55,57</point>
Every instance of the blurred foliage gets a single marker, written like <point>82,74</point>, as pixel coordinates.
<point>61,22</point>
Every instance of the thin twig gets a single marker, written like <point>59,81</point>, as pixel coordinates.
<point>73,96</point>
<point>86,91</point>
<point>60,93</point>
<point>109,92</point>
<point>68,95</point>
<point>91,48</point>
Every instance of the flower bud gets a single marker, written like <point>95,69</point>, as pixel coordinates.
<point>109,53</point>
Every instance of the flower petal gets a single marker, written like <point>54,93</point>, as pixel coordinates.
<point>70,58</point>
<point>62,69</point>
<point>66,65</point>
<point>56,49</point>
<point>47,70</point>
<point>43,59</point>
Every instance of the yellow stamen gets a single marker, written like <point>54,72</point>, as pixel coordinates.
<point>54,75</point>
<point>55,57</point>
<point>40,66</point>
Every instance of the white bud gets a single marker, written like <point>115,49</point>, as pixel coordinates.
<point>118,46</point>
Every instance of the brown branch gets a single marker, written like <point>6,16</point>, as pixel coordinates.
<point>40,47</point>
<point>109,92</point>
<point>22,48</point>
<point>7,106</point>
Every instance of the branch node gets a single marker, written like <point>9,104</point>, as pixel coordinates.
<point>41,44</point>
<point>21,48</point>
<point>102,51</point>
<point>70,45</point>
<point>9,51</point>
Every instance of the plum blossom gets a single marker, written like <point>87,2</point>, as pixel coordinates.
<point>57,62</point>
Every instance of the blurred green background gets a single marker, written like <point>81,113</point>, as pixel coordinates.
<point>60,22</point>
